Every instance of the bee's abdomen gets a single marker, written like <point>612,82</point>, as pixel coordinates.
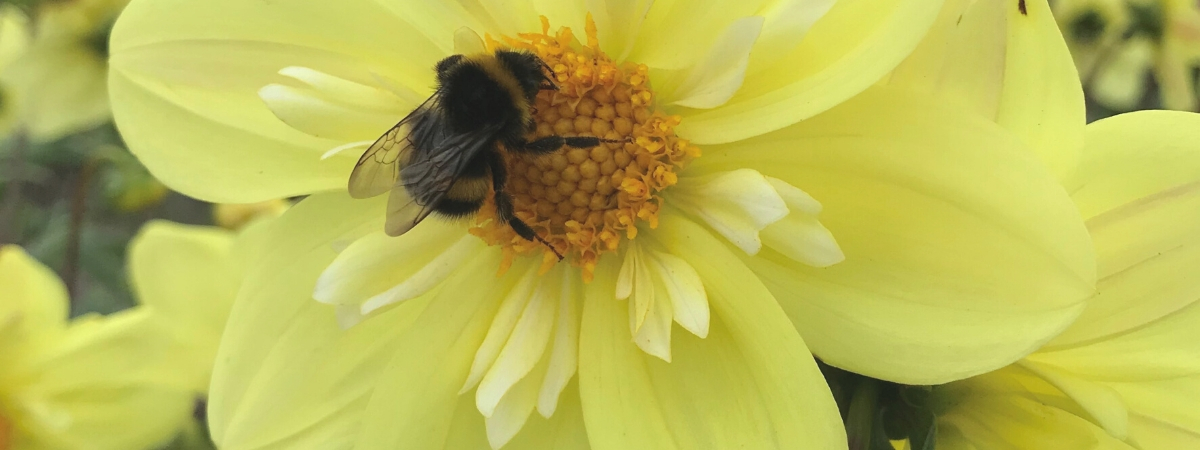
<point>455,209</point>
<point>465,197</point>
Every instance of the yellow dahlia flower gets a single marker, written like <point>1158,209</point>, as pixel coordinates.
<point>88,383</point>
<point>60,80</point>
<point>1118,43</point>
<point>188,276</point>
<point>1127,373</point>
<point>744,121</point>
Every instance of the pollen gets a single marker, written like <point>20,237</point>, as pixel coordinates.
<point>584,202</point>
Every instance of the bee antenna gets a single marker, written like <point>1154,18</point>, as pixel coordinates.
<point>551,247</point>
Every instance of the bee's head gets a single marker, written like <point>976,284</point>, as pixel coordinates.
<point>527,68</point>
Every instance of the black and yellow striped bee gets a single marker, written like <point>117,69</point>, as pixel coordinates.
<point>440,157</point>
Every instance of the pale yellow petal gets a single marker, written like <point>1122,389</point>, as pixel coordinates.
<point>185,77</point>
<point>1012,422</point>
<point>258,383</point>
<point>800,236</point>
<point>232,149</point>
<point>1150,433</point>
<point>685,289</point>
<point>506,318</point>
<point>1135,155</point>
<point>513,410</point>
<point>618,23</point>
<point>115,371</point>
<point>945,220</point>
<point>378,270</point>
<point>737,204</point>
<point>523,349</point>
<point>652,333</point>
<point>1008,63</point>
<point>1138,188</point>
<point>1042,101</point>
<point>1146,250</point>
<point>565,430</point>
<point>34,310</point>
<point>188,277</point>
<point>1102,402</point>
<point>962,59</point>
<point>750,383</point>
<point>414,400</point>
<point>307,112</point>
<point>850,48</point>
<point>712,81</point>
<point>564,354</point>
<point>1162,409</point>
<point>675,34</point>
<point>612,375</point>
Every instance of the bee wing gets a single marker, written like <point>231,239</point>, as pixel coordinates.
<point>429,175</point>
<point>378,168</point>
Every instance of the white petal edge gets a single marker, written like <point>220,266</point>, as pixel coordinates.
<point>428,277</point>
<point>737,204</point>
<point>801,236</point>
<point>661,289</point>
<point>501,327</point>
<point>564,354</point>
<point>524,349</point>
<point>685,289</point>
<point>714,79</point>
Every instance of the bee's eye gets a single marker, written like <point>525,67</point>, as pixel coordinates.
<point>447,63</point>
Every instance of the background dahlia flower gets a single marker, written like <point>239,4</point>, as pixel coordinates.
<point>59,81</point>
<point>93,382</point>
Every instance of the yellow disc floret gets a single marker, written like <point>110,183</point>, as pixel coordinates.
<point>583,202</point>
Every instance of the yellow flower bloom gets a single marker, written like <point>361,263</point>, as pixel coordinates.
<point>734,114</point>
<point>59,83</point>
<point>89,383</point>
<point>1117,43</point>
<point>187,277</point>
<point>1127,373</point>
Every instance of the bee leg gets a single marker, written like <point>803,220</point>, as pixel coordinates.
<point>549,144</point>
<point>547,80</point>
<point>504,206</point>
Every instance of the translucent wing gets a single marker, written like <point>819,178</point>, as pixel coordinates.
<point>378,169</point>
<point>439,157</point>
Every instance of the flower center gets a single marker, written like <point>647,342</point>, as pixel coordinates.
<point>582,201</point>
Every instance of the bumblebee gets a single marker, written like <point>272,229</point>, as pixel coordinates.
<point>440,158</point>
